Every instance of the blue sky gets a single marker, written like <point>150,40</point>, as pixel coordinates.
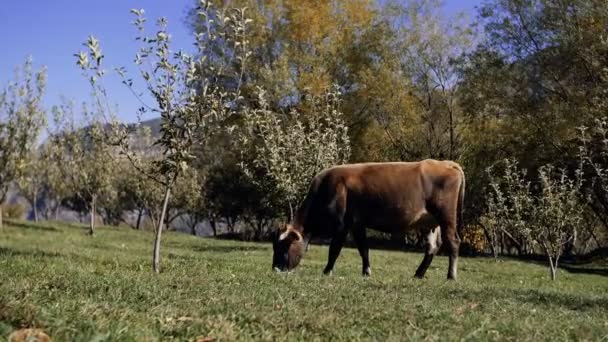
<point>52,31</point>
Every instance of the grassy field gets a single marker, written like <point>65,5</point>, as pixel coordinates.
<point>82,288</point>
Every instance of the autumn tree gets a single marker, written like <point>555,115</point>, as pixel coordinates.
<point>300,49</point>
<point>429,43</point>
<point>21,120</point>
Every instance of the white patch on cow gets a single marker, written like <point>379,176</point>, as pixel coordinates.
<point>286,234</point>
<point>419,216</point>
<point>432,239</point>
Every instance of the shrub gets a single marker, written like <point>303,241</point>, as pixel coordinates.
<point>14,211</point>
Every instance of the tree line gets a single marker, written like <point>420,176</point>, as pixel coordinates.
<point>275,91</point>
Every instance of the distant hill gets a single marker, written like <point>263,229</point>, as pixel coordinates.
<point>154,125</point>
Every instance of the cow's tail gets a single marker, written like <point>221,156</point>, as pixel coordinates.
<point>460,206</point>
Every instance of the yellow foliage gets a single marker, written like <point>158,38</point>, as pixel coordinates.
<point>310,21</point>
<point>475,238</point>
<point>14,211</point>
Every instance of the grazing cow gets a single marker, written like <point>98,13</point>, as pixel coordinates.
<point>388,197</point>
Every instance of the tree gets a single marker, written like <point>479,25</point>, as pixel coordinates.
<point>300,49</point>
<point>90,158</point>
<point>428,45</point>
<point>548,218</point>
<point>32,179</point>
<point>56,172</point>
<point>189,97</point>
<point>509,208</point>
<point>538,74</point>
<point>560,213</point>
<point>292,149</point>
<point>21,119</point>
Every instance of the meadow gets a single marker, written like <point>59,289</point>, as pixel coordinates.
<point>81,288</point>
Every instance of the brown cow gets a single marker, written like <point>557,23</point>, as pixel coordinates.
<point>389,197</point>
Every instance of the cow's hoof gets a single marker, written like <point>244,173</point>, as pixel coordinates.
<point>419,276</point>
<point>367,272</point>
<point>328,272</point>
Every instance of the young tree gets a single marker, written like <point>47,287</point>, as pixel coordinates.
<point>21,119</point>
<point>510,207</point>
<point>548,218</point>
<point>291,149</point>
<point>89,157</point>
<point>190,97</point>
<point>560,213</point>
<point>32,179</point>
<point>56,171</point>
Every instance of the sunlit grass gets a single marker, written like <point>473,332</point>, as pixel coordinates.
<point>78,287</point>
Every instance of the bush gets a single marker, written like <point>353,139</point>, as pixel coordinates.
<point>13,211</point>
<point>474,241</point>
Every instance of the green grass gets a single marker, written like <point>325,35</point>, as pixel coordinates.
<point>82,288</point>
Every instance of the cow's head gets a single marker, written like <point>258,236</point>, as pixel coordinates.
<point>288,246</point>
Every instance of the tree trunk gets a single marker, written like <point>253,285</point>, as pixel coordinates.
<point>57,208</point>
<point>92,225</point>
<point>260,230</point>
<point>35,207</point>
<point>1,223</point>
<point>553,266</point>
<point>159,230</point>
<point>451,156</point>
<point>139,215</point>
<point>290,212</point>
<point>167,222</point>
<point>193,224</point>
<point>153,218</point>
<point>213,227</point>
<point>230,224</point>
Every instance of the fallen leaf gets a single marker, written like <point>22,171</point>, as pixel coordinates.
<point>23,335</point>
<point>203,339</point>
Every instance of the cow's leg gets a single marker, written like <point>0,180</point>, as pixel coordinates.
<point>361,241</point>
<point>452,243</point>
<point>342,224</point>
<point>433,244</point>
<point>334,249</point>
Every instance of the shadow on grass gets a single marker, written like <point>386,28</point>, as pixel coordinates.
<point>9,252</point>
<point>32,226</point>
<point>227,249</point>
<point>578,265</point>
<point>579,302</point>
<point>571,302</point>
<point>585,270</point>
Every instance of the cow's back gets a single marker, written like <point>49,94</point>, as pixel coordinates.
<point>384,196</point>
